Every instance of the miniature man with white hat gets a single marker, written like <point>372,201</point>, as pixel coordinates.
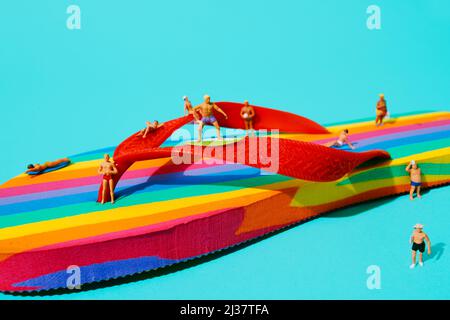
<point>418,239</point>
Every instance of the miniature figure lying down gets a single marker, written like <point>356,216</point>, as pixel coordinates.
<point>150,126</point>
<point>47,166</point>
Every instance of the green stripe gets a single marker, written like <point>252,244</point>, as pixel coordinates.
<point>140,198</point>
<point>415,148</point>
<point>395,172</point>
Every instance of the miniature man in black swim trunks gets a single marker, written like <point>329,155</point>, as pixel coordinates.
<point>206,110</point>
<point>107,169</point>
<point>418,239</point>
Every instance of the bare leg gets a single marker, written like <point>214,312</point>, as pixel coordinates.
<point>51,164</point>
<point>195,116</point>
<point>413,258</point>
<point>145,132</point>
<point>140,133</point>
<point>105,186</point>
<point>418,192</point>
<point>420,257</point>
<point>250,123</point>
<point>216,125</point>
<point>200,131</point>
<point>111,190</point>
<point>330,144</point>
<point>411,193</point>
<point>246,127</point>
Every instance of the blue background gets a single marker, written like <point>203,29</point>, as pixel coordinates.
<point>68,91</point>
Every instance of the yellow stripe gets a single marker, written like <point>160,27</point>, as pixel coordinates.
<point>312,194</point>
<point>25,237</point>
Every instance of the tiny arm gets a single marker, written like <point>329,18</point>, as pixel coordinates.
<point>408,167</point>
<point>252,112</point>
<point>100,169</point>
<point>221,111</point>
<point>349,143</point>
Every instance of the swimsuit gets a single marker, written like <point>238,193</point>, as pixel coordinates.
<point>418,246</point>
<point>416,184</point>
<point>209,120</point>
<point>107,177</point>
<point>381,108</point>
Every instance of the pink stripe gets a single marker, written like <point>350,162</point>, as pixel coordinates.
<point>387,131</point>
<point>131,232</point>
<point>79,182</point>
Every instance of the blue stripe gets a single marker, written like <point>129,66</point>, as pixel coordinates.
<point>156,183</point>
<point>97,272</point>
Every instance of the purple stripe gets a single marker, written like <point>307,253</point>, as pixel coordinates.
<point>400,135</point>
<point>124,183</point>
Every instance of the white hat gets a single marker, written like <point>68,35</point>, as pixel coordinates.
<point>418,226</point>
<point>184,97</point>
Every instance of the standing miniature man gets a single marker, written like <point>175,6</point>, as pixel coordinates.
<point>418,239</point>
<point>416,179</point>
<point>247,114</point>
<point>206,109</point>
<point>189,110</point>
<point>107,169</point>
<point>381,111</point>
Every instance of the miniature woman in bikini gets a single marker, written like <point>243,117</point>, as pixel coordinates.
<point>247,114</point>
<point>381,111</point>
<point>108,169</point>
<point>343,139</point>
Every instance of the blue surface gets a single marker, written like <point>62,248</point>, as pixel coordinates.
<point>68,92</point>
